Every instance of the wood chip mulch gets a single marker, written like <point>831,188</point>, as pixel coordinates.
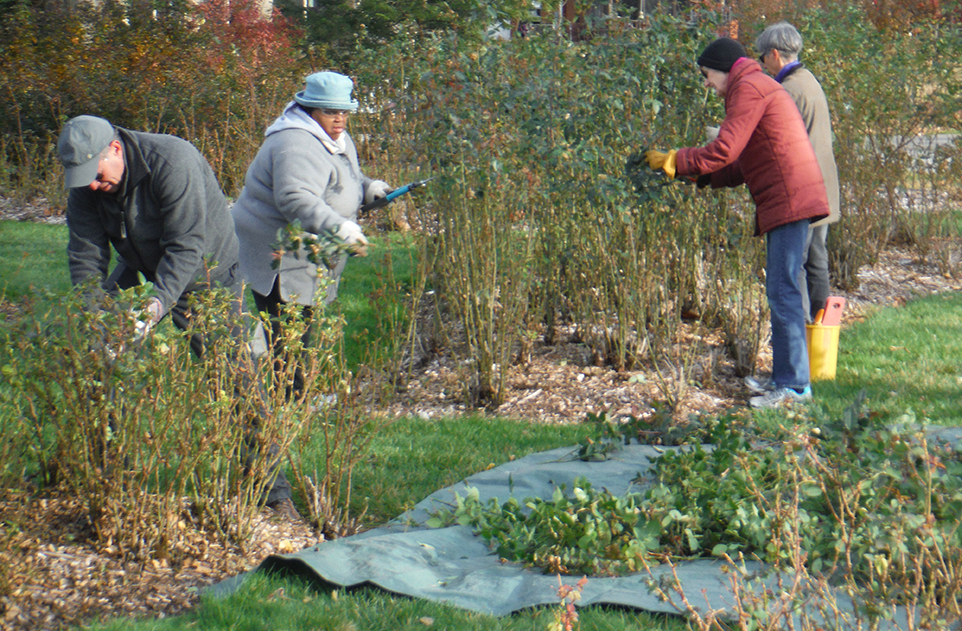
<point>561,384</point>
<point>52,575</point>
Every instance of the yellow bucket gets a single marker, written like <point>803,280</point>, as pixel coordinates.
<point>822,350</point>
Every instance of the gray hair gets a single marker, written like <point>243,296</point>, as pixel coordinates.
<point>782,37</point>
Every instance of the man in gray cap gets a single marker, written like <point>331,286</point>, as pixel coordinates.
<point>154,198</point>
<point>778,48</point>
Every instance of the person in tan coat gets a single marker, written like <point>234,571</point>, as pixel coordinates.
<point>763,144</point>
<point>778,48</point>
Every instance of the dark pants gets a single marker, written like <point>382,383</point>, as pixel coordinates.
<point>124,277</point>
<point>814,281</point>
<point>273,306</point>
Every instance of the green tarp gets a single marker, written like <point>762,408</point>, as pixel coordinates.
<point>454,566</point>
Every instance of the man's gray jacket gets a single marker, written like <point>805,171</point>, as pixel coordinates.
<point>169,220</point>
<point>812,104</point>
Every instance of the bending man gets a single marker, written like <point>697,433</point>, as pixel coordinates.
<point>155,199</point>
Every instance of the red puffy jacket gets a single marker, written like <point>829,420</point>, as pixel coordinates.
<point>763,144</point>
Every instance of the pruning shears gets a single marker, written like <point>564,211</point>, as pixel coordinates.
<point>390,197</point>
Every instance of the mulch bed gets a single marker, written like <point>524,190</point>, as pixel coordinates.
<point>52,575</point>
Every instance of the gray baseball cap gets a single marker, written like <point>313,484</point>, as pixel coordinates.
<point>79,147</point>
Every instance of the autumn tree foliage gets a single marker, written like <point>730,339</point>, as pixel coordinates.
<point>212,72</point>
<point>240,25</point>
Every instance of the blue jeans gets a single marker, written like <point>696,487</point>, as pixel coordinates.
<point>785,252</point>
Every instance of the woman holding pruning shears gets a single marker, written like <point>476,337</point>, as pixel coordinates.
<point>306,174</point>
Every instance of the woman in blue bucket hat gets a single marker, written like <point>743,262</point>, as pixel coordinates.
<point>306,171</point>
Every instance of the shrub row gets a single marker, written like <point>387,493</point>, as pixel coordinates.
<point>542,215</point>
<point>542,219</point>
<point>159,445</point>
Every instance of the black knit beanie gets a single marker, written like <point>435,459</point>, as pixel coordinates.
<point>722,54</point>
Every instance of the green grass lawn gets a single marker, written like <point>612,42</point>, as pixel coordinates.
<point>432,454</point>
<point>32,255</point>
<point>907,359</point>
<point>264,604</point>
<point>389,263</point>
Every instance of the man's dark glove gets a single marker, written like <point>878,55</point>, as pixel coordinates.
<point>701,181</point>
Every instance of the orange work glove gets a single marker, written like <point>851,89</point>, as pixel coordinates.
<point>664,161</point>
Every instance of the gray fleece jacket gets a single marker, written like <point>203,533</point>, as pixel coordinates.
<point>169,220</point>
<point>298,174</point>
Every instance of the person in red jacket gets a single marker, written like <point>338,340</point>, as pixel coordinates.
<point>763,144</point>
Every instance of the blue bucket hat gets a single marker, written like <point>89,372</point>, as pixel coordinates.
<point>328,90</point>
<point>79,147</point>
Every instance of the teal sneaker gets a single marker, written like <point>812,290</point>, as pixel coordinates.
<point>781,396</point>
